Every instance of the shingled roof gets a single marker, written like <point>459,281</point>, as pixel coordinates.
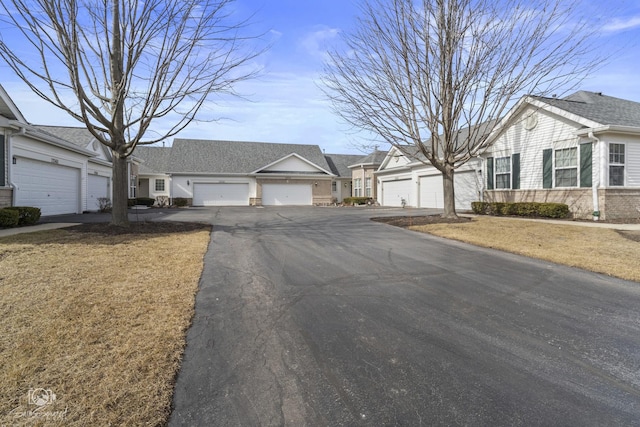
<point>235,157</point>
<point>339,163</point>
<point>76,135</point>
<point>155,159</point>
<point>599,108</point>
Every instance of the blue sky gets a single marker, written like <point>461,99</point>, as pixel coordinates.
<point>286,105</point>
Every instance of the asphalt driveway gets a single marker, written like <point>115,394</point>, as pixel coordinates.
<point>317,316</point>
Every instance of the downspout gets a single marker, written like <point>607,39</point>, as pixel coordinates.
<point>480,178</point>
<point>595,183</point>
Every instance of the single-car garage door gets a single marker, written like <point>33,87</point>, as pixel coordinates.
<point>431,193</point>
<point>465,187</point>
<point>55,189</point>
<point>393,192</point>
<point>216,194</point>
<point>97,187</point>
<point>287,194</point>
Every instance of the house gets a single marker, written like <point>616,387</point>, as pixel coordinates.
<point>341,186</point>
<point>406,178</point>
<point>233,173</point>
<point>362,174</point>
<point>582,150</point>
<point>40,168</point>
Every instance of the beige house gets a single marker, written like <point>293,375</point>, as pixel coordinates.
<point>362,175</point>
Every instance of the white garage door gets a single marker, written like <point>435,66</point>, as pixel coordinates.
<point>208,194</point>
<point>286,194</point>
<point>466,188</point>
<point>97,187</point>
<point>431,193</point>
<point>394,191</point>
<point>55,189</point>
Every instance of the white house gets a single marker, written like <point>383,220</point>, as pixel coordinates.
<point>41,169</point>
<point>234,173</point>
<point>582,150</point>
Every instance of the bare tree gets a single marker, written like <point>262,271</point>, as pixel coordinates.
<point>118,65</point>
<point>435,76</point>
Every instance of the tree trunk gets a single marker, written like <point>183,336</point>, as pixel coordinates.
<point>119,207</point>
<point>448,193</point>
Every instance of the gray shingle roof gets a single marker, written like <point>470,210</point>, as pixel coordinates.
<point>599,108</point>
<point>339,163</point>
<point>155,159</point>
<point>235,157</point>
<point>76,135</point>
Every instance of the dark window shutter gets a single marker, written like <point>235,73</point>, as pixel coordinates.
<point>2,162</point>
<point>586,169</point>
<point>515,171</point>
<point>490,173</point>
<point>547,168</point>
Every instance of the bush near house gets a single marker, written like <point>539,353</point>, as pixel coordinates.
<point>524,209</point>
<point>9,218</point>
<point>357,200</point>
<point>27,215</point>
<point>180,202</point>
<point>145,201</point>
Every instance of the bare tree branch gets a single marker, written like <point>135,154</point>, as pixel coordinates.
<point>439,74</point>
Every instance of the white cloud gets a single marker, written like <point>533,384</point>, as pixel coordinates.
<point>622,24</point>
<point>316,42</point>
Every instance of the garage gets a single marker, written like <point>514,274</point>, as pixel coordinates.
<point>221,194</point>
<point>287,194</point>
<point>97,187</point>
<point>393,192</point>
<point>467,188</point>
<point>53,188</point>
<point>431,192</point>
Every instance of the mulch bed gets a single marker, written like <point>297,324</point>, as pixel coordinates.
<point>143,227</point>
<point>409,221</point>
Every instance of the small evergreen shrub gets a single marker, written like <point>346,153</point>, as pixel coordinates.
<point>27,215</point>
<point>145,201</point>
<point>9,218</point>
<point>131,202</point>
<point>525,209</point>
<point>180,202</point>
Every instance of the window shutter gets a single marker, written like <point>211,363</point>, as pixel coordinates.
<point>2,162</point>
<point>490,173</point>
<point>515,171</point>
<point>547,168</point>
<point>586,169</point>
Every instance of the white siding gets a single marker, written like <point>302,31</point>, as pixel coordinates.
<point>292,164</point>
<point>551,131</point>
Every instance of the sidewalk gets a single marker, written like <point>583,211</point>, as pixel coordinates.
<point>33,228</point>
<point>592,224</point>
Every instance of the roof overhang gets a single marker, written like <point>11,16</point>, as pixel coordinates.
<point>34,133</point>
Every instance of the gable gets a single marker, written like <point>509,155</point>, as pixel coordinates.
<point>292,163</point>
<point>395,159</point>
<point>8,108</point>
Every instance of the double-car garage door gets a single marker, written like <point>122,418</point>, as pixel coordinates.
<point>53,188</point>
<point>287,194</point>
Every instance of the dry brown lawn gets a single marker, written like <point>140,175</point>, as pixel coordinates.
<point>596,249</point>
<point>99,319</point>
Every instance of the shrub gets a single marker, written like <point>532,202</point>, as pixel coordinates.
<point>146,201</point>
<point>526,209</point>
<point>104,204</point>
<point>357,200</point>
<point>9,218</point>
<point>131,202</point>
<point>27,215</point>
<point>180,202</point>
<point>162,201</point>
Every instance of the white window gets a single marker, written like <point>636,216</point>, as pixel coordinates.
<point>334,186</point>
<point>159,184</point>
<point>503,172</point>
<point>566,167</point>
<point>616,164</point>
<point>367,187</point>
<point>357,187</point>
